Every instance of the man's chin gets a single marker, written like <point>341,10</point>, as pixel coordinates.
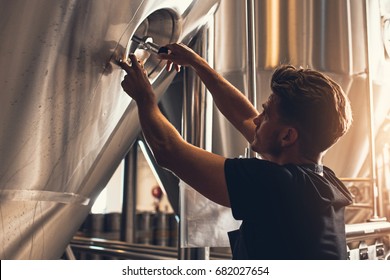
<point>258,151</point>
<point>255,150</point>
<point>253,147</point>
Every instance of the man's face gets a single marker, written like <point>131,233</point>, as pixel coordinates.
<point>267,140</point>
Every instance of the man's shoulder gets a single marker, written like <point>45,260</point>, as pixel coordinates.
<point>252,162</point>
<point>256,168</point>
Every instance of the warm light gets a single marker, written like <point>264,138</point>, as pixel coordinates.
<point>273,28</point>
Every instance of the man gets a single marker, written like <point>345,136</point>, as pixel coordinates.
<point>292,207</point>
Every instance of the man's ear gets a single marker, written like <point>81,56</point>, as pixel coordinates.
<point>289,136</point>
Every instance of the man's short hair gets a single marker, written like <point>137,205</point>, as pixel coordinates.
<point>314,104</point>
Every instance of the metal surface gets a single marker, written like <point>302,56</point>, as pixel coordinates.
<point>65,122</point>
<point>230,63</point>
<point>371,122</point>
<point>251,51</point>
<point>122,250</point>
<point>368,240</point>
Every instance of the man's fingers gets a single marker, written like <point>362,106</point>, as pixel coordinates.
<point>130,65</point>
<point>139,64</point>
<point>164,55</point>
<point>125,66</point>
<point>168,67</point>
<point>134,61</point>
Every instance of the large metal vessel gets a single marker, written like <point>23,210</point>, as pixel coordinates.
<point>65,122</point>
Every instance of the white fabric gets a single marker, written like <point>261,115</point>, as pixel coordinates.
<point>203,222</point>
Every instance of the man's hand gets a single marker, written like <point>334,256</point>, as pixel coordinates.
<point>202,170</point>
<point>136,83</point>
<point>178,55</point>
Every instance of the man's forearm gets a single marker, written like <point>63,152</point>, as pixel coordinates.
<point>200,169</point>
<point>230,101</point>
<point>160,134</point>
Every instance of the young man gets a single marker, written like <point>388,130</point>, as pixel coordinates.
<point>292,207</point>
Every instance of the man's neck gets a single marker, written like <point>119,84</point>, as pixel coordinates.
<point>296,159</point>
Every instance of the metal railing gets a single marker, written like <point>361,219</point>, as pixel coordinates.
<point>122,250</point>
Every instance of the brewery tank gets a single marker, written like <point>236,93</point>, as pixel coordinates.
<point>65,122</point>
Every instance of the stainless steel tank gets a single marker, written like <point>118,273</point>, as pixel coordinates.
<point>65,122</point>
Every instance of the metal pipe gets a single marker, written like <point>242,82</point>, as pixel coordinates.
<point>69,253</point>
<point>122,250</point>
<point>251,52</point>
<point>120,253</point>
<point>357,179</point>
<point>129,194</point>
<point>250,58</point>
<point>195,112</point>
<point>371,119</point>
<point>385,178</point>
<point>147,43</point>
<point>367,230</point>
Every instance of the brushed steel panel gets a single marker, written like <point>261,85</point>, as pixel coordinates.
<point>65,122</point>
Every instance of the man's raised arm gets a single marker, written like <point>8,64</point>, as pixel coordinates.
<point>232,103</point>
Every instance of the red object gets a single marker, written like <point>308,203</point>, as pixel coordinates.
<point>157,192</point>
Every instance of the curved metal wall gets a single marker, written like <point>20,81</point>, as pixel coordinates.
<point>65,122</point>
